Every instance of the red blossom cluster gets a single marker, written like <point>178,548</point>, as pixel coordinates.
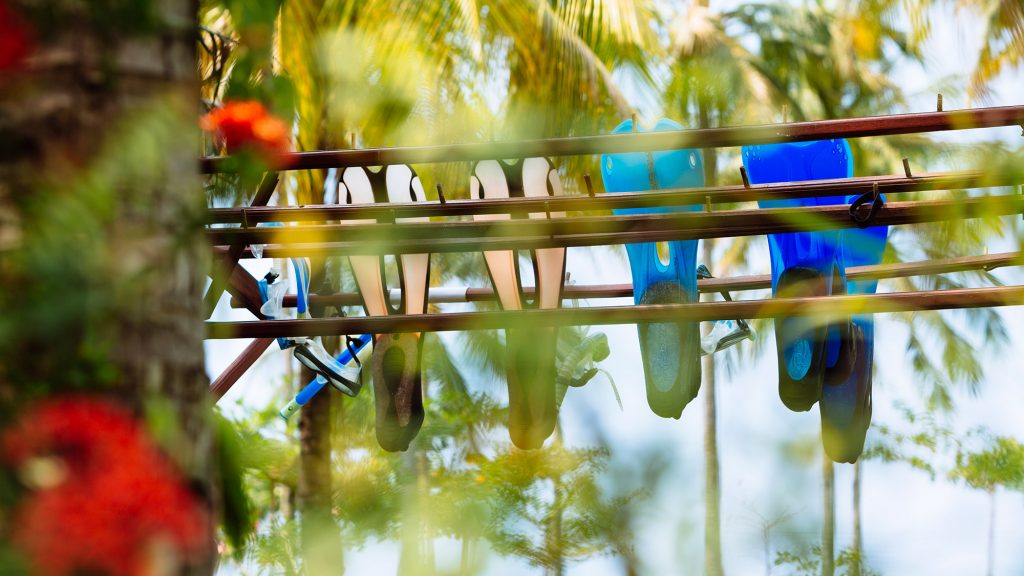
<point>248,126</point>
<point>112,504</point>
<point>15,39</point>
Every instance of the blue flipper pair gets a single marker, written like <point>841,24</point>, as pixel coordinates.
<point>530,360</point>
<point>670,350</point>
<point>846,406</point>
<point>396,364</point>
<point>806,264</point>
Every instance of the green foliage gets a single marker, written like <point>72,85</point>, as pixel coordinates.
<point>578,356</point>
<point>546,506</point>
<point>237,518</point>
<point>918,446</point>
<point>1001,464</point>
<point>808,563</point>
<point>113,19</point>
<point>1003,40</point>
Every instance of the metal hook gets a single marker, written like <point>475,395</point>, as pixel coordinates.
<point>875,198</point>
<point>742,331</point>
<point>590,185</point>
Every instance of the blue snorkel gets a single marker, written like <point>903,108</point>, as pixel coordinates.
<point>357,345</point>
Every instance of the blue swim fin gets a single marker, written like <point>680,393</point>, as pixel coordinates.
<point>670,350</point>
<point>806,264</point>
<point>846,406</point>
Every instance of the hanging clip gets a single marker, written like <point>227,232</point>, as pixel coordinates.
<point>721,337</point>
<point>440,196</point>
<point>875,198</point>
<point>938,103</point>
<point>906,168</point>
<point>590,185</point>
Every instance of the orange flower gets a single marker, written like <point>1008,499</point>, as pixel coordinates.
<point>15,39</point>
<point>247,125</point>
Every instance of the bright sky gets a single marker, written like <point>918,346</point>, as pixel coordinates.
<point>912,525</point>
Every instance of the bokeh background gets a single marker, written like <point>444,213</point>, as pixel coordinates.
<point>915,518</point>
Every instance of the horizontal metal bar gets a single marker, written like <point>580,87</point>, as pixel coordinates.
<point>447,294</point>
<point>824,307</point>
<point>676,197</point>
<point>649,141</point>
<point>223,275</point>
<point>523,234</point>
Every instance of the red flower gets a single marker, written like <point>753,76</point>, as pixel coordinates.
<point>247,125</point>
<point>15,39</point>
<point>117,503</point>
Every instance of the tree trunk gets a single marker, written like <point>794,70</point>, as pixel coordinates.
<point>766,542</point>
<point>321,542</point>
<point>321,539</point>
<point>828,524</point>
<point>112,116</point>
<point>553,542</point>
<point>553,534</point>
<point>858,547</point>
<point>992,532</point>
<point>464,556</point>
<point>712,484</point>
<point>416,553</point>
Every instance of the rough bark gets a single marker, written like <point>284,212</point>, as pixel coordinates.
<point>84,87</point>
